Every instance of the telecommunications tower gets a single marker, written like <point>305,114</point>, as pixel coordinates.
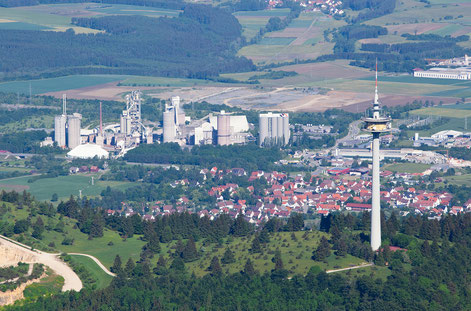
<point>376,125</point>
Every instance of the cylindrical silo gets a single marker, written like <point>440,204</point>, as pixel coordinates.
<point>224,129</point>
<point>73,131</point>
<point>169,130</point>
<point>263,128</point>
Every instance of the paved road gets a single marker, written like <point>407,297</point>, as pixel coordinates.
<point>71,279</point>
<point>350,268</point>
<point>96,261</point>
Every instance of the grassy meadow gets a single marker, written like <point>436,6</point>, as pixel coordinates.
<point>63,186</point>
<point>407,167</point>
<point>40,86</point>
<point>102,279</point>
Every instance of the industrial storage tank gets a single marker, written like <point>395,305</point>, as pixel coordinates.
<point>59,130</point>
<point>224,129</point>
<point>169,128</point>
<point>74,130</point>
<point>263,129</point>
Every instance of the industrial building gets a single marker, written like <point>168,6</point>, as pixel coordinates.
<point>461,73</point>
<point>133,131</point>
<point>274,129</point>
<point>220,129</point>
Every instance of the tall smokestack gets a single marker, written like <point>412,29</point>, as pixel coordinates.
<point>101,122</point>
<point>64,104</point>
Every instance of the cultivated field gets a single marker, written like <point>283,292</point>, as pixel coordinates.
<point>63,186</point>
<point>252,21</point>
<point>57,17</point>
<point>41,86</point>
<point>302,39</point>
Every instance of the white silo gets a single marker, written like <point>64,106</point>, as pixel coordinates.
<point>169,127</point>
<point>59,130</point>
<point>263,128</point>
<point>73,136</point>
<point>224,129</point>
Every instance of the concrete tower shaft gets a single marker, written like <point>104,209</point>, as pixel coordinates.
<point>376,203</point>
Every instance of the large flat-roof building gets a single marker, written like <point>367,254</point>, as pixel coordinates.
<point>274,129</point>
<point>461,73</point>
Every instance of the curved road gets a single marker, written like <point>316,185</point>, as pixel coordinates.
<point>96,261</point>
<point>71,279</point>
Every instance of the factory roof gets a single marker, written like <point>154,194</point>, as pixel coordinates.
<point>87,151</point>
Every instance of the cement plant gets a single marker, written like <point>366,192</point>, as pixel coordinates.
<point>115,139</point>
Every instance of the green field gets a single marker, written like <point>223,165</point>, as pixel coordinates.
<point>31,15</point>
<point>443,112</point>
<point>411,11</point>
<point>102,279</point>
<point>22,26</point>
<point>460,180</point>
<point>123,9</point>
<point>253,21</point>
<point>58,16</point>
<point>407,167</point>
<point>63,186</point>
<point>267,13</point>
<point>163,81</point>
<point>58,84</point>
<point>276,41</point>
<point>447,30</point>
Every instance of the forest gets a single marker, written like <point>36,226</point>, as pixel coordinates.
<point>250,157</point>
<point>375,8</point>
<point>428,270</point>
<point>202,42</point>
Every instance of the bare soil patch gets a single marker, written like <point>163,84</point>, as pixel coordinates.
<point>315,103</point>
<point>397,100</point>
<point>413,28</point>
<point>107,91</point>
<point>328,70</point>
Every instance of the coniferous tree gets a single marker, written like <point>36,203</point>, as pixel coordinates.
<point>96,228</point>
<point>215,266</point>
<point>278,261</point>
<point>341,248</point>
<point>117,265</point>
<point>189,252</point>
<point>38,228</point>
<point>249,270</point>
<point>256,247</point>
<point>240,227</point>
<point>178,264</point>
<point>166,235</point>
<point>228,257</point>
<point>129,267</point>
<point>264,237</point>
<point>322,251</point>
